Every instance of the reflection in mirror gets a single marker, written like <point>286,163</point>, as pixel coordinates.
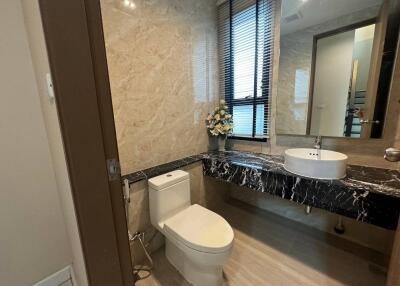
<point>334,66</point>
<point>339,103</point>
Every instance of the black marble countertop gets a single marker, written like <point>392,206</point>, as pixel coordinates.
<point>161,169</point>
<point>376,180</point>
<point>367,194</point>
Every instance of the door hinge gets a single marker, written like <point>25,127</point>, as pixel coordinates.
<point>114,169</point>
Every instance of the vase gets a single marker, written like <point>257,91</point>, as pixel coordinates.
<point>221,143</point>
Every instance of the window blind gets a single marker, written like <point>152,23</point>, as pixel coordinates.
<point>245,44</point>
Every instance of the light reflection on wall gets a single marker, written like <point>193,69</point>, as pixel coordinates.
<point>129,4</point>
<point>203,64</point>
<point>125,6</point>
<point>163,73</point>
<point>301,91</point>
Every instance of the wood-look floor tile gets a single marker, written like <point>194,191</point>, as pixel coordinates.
<point>267,251</point>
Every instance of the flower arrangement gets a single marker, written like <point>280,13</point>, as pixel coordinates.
<point>220,122</point>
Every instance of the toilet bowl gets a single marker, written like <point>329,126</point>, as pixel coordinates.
<point>198,241</point>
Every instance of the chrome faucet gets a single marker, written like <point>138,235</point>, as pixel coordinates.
<point>318,142</point>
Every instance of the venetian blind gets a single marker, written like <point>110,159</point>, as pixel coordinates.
<point>245,43</point>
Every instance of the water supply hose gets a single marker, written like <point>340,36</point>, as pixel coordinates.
<point>137,236</point>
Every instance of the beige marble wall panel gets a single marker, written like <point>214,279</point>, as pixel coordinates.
<point>163,71</point>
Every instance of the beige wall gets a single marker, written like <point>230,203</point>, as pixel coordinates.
<point>41,68</point>
<point>162,63</point>
<point>33,241</point>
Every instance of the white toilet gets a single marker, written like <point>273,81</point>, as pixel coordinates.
<point>198,241</point>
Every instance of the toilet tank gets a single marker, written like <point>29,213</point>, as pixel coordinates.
<point>168,194</point>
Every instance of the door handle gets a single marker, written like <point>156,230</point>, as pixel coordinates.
<point>367,121</point>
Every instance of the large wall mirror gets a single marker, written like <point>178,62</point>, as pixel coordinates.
<point>336,62</point>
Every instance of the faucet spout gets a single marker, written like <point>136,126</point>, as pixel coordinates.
<point>318,142</point>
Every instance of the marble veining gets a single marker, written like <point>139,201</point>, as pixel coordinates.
<point>162,59</point>
<point>371,179</point>
<point>367,194</point>
<point>161,169</point>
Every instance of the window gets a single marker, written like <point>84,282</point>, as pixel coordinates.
<point>245,43</point>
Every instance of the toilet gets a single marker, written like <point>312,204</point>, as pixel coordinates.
<point>198,241</point>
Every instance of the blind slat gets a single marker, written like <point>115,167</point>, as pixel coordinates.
<point>245,41</point>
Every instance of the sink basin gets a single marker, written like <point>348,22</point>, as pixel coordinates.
<point>318,164</point>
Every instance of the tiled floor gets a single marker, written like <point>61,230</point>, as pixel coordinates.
<point>271,250</point>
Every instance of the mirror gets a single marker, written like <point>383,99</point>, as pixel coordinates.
<point>336,61</point>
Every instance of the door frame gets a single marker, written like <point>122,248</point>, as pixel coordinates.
<point>75,43</point>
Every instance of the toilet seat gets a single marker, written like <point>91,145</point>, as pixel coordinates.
<point>200,229</point>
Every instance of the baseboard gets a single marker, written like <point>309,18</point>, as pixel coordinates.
<point>58,278</point>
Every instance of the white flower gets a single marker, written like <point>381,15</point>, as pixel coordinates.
<point>220,121</point>
<point>222,102</point>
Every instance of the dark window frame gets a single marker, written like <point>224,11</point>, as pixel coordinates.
<point>253,100</point>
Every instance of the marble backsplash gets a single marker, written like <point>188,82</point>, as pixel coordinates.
<point>162,60</point>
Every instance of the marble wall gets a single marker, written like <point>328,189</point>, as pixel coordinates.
<point>162,61</point>
<point>295,67</point>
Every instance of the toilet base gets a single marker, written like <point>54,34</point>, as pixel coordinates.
<point>196,273</point>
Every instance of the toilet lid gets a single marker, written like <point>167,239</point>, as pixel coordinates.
<point>200,229</point>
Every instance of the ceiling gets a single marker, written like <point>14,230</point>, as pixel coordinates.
<point>306,13</point>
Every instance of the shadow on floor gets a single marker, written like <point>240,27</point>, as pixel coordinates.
<point>272,250</point>
<point>304,247</point>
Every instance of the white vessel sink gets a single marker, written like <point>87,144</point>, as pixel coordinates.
<point>318,164</point>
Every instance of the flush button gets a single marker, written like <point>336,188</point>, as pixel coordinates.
<point>169,175</point>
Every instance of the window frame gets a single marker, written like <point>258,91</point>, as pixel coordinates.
<point>253,100</point>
